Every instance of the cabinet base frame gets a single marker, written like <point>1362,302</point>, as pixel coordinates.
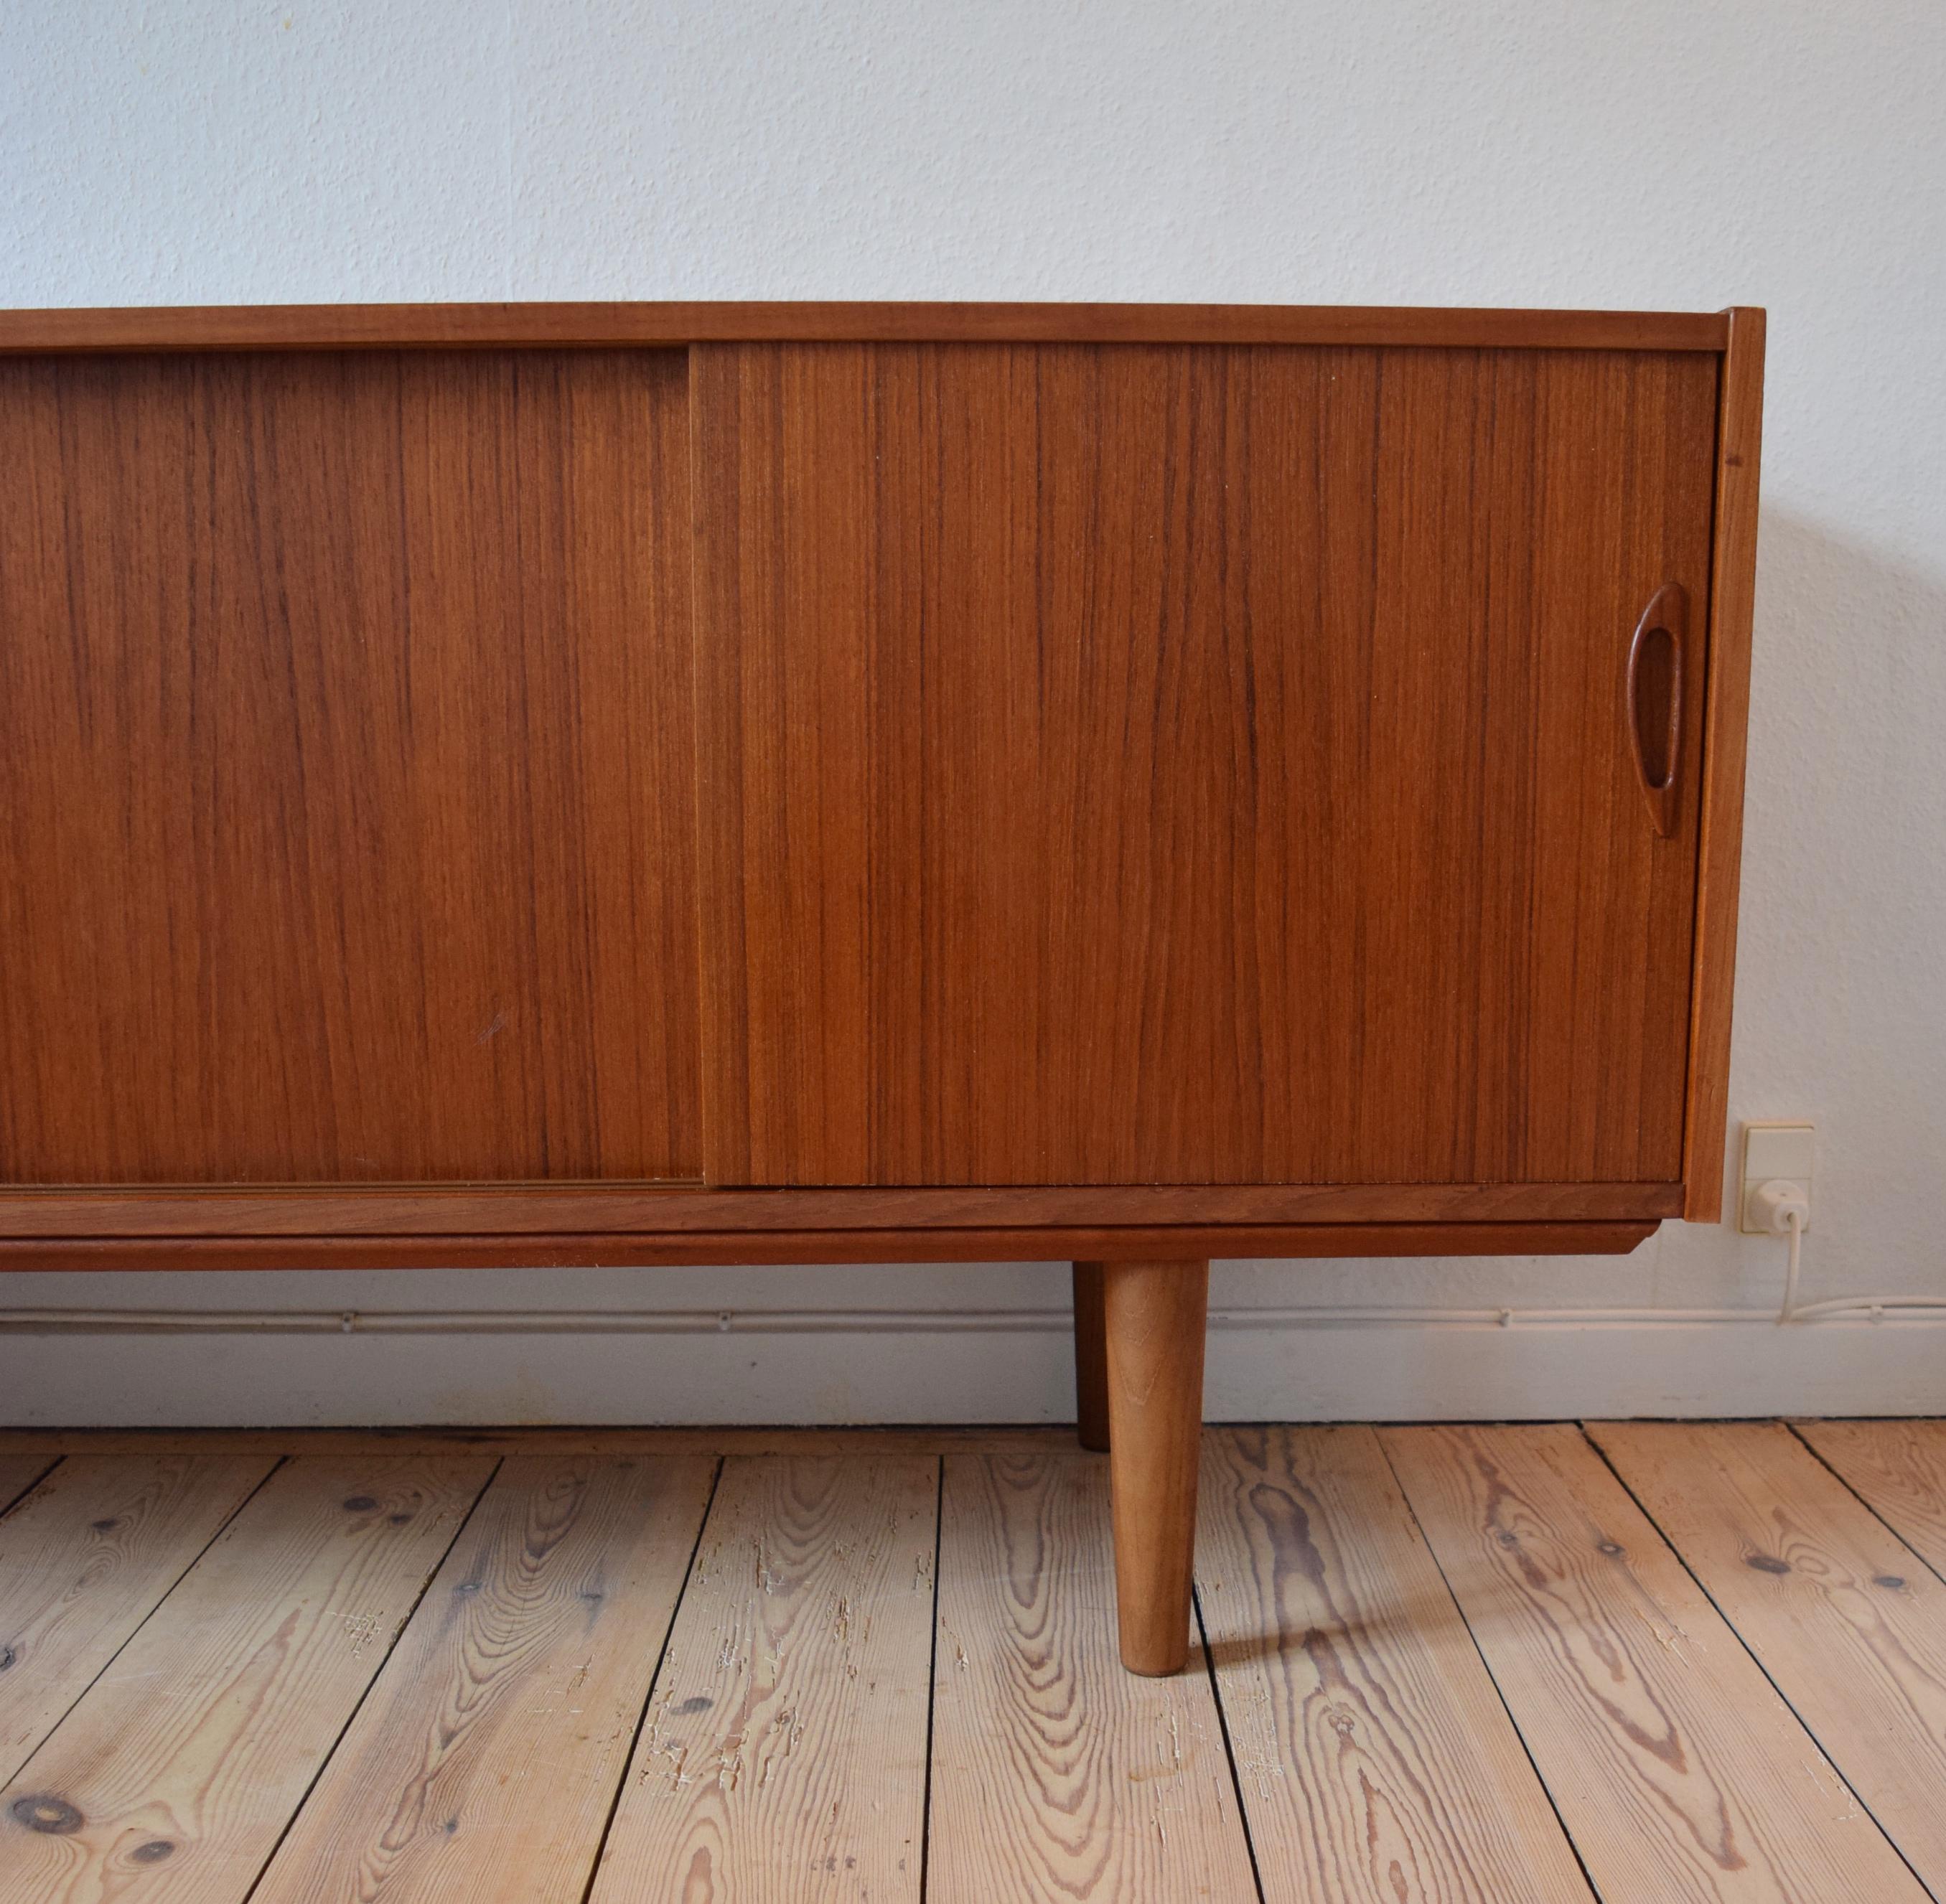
<point>653,1249</point>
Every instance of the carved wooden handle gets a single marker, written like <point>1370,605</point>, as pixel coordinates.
<point>1655,700</point>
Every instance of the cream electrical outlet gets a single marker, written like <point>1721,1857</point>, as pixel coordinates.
<point>1771,1151</point>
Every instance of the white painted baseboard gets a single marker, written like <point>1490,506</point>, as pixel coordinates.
<point>123,1367</point>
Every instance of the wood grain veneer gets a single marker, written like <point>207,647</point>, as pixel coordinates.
<point>1137,765</point>
<point>351,327</point>
<point>1166,782</point>
<point>1022,1242</point>
<point>345,753</point>
<point>569,1207</point>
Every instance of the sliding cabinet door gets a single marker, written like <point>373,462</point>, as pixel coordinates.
<point>1127,765</point>
<point>346,761</point>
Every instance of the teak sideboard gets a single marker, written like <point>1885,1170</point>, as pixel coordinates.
<point>566,784</point>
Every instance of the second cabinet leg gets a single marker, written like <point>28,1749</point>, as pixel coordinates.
<point>1154,1315</point>
<point>1091,1359</point>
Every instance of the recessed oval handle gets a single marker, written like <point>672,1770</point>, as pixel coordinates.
<point>1655,700</point>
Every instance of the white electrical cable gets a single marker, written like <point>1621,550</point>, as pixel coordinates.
<point>1795,1218</point>
<point>1052,1320</point>
<point>1783,1206</point>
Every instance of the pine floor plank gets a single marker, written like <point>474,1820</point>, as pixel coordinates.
<point>19,1473</point>
<point>1056,1774</point>
<point>1375,1759</point>
<point>173,1777</point>
<point>1899,1468</point>
<point>1678,1770</point>
<point>783,1758</point>
<point>484,1764</point>
<point>86,1559</point>
<point>1847,1623</point>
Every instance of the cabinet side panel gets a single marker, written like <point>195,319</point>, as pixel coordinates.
<point>1129,764</point>
<point>1740,443</point>
<point>346,750</point>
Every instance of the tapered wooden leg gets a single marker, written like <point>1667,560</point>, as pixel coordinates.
<point>1155,1315</point>
<point>1091,1359</point>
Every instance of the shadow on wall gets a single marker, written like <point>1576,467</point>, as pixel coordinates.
<point>1847,698</point>
<point>1841,977</point>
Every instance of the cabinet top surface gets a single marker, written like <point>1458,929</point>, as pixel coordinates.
<point>244,327</point>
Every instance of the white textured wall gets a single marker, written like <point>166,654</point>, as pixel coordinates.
<point>1670,154</point>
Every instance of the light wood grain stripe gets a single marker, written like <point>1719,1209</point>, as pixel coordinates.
<point>173,1776</point>
<point>1851,1629</point>
<point>84,1560</point>
<point>19,1473</point>
<point>1677,1769</point>
<point>783,1760</point>
<point>1375,1759</point>
<point>485,1761</point>
<point>1057,1775</point>
<point>1898,1469</point>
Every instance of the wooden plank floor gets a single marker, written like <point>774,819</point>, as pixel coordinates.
<point>1530,1664</point>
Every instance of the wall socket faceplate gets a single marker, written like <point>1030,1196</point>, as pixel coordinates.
<point>1788,1150</point>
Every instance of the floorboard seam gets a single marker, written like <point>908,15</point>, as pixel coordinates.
<point>1486,1667</point>
<point>371,1685</point>
<point>7,1505</point>
<point>931,1683</point>
<point>1736,1633</point>
<point>1229,1750</point>
<point>649,1697</point>
<point>195,1561</point>
<point>1837,1474</point>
